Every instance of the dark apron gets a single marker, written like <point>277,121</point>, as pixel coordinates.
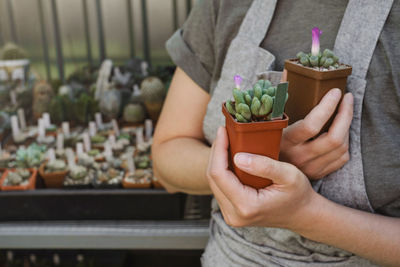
<point>355,44</point>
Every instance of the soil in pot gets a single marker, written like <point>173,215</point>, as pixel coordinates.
<point>140,179</point>
<point>262,138</point>
<point>307,86</point>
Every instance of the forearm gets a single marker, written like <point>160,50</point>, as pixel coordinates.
<point>181,165</point>
<point>368,235</point>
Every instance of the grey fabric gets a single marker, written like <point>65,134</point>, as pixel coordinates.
<point>355,43</point>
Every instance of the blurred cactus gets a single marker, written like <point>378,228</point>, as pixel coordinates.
<point>153,94</point>
<point>134,113</point>
<point>42,95</point>
<point>11,51</point>
<point>327,59</point>
<point>254,104</point>
<point>110,103</point>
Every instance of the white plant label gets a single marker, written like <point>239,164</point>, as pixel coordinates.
<point>21,118</point>
<point>70,157</point>
<point>51,155</point>
<point>13,97</point>
<point>115,127</point>
<point>41,129</point>
<point>86,142</point>
<point>107,150</point>
<point>131,164</point>
<point>65,128</point>
<point>139,136</point>
<point>46,119</point>
<point>148,125</point>
<point>92,128</point>
<point>14,125</point>
<point>99,120</point>
<point>112,140</point>
<point>79,149</point>
<point>60,141</point>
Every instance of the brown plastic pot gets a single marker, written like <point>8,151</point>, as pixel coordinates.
<point>53,179</point>
<point>30,186</point>
<point>308,86</point>
<point>262,138</point>
<point>126,184</point>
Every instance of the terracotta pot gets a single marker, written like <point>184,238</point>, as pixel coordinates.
<point>262,138</point>
<point>307,87</point>
<point>53,179</point>
<point>30,186</point>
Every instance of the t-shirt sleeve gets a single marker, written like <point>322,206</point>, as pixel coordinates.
<point>192,47</point>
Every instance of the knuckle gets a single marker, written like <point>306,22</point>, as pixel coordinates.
<point>214,172</point>
<point>334,141</point>
<point>245,212</point>
<point>310,129</point>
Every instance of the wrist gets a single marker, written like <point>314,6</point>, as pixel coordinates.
<point>310,215</point>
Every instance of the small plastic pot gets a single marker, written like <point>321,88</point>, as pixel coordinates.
<point>308,86</point>
<point>262,138</point>
<point>30,186</point>
<point>52,179</point>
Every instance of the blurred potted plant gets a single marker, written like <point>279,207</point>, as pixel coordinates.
<point>53,173</point>
<point>18,179</point>
<point>254,122</point>
<point>311,76</point>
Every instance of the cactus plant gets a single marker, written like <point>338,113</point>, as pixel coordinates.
<point>55,166</point>
<point>11,51</point>
<point>42,95</point>
<point>134,113</point>
<point>17,177</point>
<point>262,102</point>
<point>153,94</point>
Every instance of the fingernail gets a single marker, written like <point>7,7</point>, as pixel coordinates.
<point>335,93</point>
<point>243,159</point>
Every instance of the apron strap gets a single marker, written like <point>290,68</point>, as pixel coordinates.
<point>355,43</point>
<point>359,31</point>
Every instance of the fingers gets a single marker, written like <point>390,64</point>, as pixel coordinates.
<point>278,172</point>
<point>312,124</point>
<point>336,165</point>
<point>284,76</point>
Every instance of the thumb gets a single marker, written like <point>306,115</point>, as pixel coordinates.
<point>264,167</point>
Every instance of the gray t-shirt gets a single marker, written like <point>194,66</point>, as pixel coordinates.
<point>206,35</point>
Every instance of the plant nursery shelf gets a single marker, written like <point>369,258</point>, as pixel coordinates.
<point>90,204</point>
<point>185,234</point>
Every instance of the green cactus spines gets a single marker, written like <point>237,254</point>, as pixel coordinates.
<point>258,91</point>
<point>314,61</point>
<point>328,62</point>
<point>255,106</point>
<point>335,59</point>
<point>244,110</point>
<point>305,61</point>
<point>230,108</point>
<point>247,98</point>
<point>238,96</point>
<point>240,118</point>
<point>266,106</point>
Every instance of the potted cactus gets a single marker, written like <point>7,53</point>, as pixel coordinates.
<point>108,177</point>
<point>53,173</point>
<point>18,179</point>
<point>254,122</point>
<point>141,178</point>
<point>153,93</point>
<point>79,177</point>
<point>311,76</point>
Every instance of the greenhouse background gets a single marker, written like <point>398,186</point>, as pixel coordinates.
<point>73,33</point>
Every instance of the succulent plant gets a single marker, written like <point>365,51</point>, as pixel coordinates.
<point>97,139</point>
<point>327,59</point>
<point>85,107</point>
<point>56,166</point>
<point>110,103</point>
<point>78,172</point>
<point>30,157</point>
<point>134,113</point>
<point>17,177</point>
<point>153,94</point>
<point>11,51</point>
<point>93,152</point>
<point>86,161</point>
<point>258,103</point>
<point>142,162</point>
<point>139,177</point>
<point>42,95</point>
<point>110,176</point>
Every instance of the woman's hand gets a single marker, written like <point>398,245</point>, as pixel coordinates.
<point>328,152</point>
<point>283,204</point>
